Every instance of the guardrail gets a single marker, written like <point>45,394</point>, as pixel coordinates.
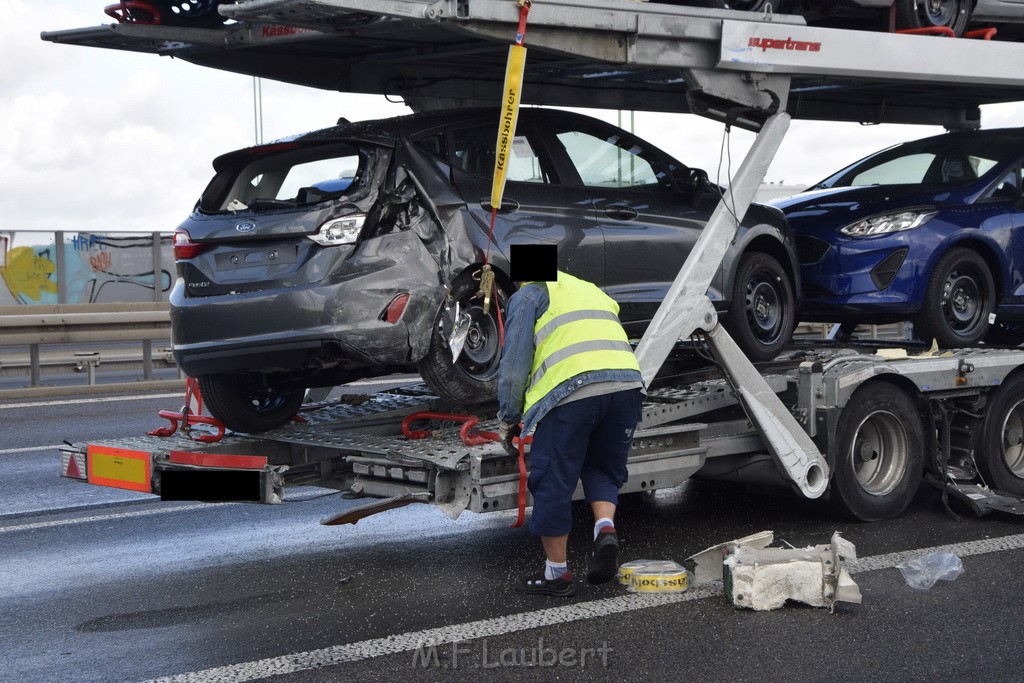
<point>146,322</point>
<point>38,325</point>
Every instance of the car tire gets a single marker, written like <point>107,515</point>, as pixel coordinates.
<point>1006,334</point>
<point>245,404</point>
<point>952,14</point>
<point>761,316</point>
<point>1001,456</point>
<point>958,302</point>
<point>879,456</point>
<point>473,377</point>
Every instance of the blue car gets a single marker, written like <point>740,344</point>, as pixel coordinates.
<point>930,231</point>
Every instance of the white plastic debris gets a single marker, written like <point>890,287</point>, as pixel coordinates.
<point>924,571</point>
<point>706,565</point>
<point>761,578</point>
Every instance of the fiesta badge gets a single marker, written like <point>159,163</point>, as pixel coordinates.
<point>245,226</point>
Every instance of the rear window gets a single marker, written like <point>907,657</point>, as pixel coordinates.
<point>296,177</point>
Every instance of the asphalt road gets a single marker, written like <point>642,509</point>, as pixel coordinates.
<point>107,585</point>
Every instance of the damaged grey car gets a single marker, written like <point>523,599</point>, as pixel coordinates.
<point>356,251</point>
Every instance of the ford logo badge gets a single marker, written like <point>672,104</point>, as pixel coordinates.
<point>246,226</point>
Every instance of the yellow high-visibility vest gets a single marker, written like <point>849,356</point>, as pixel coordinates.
<point>580,332</point>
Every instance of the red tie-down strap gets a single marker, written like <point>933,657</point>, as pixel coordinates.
<point>473,438</point>
<point>190,414</point>
<point>521,508</point>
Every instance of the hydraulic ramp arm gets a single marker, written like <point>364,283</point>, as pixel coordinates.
<point>687,309</point>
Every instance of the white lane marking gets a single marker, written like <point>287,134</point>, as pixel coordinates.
<point>99,399</point>
<point>100,518</point>
<point>458,633</point>
<point>29,449</point>
<point>139,513</point>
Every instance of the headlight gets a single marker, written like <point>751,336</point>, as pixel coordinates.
<point>889,222</point>
<point>339,230</point>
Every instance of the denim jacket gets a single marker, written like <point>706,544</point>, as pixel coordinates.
<point>524,308</point>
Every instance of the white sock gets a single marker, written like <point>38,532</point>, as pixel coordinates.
<point>552,571</point>
<point>602,523</point>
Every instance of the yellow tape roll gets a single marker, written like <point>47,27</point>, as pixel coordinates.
<point>647,581</point>
<point>645,576</point>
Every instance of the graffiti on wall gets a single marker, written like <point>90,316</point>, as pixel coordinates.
<point>97,269</point>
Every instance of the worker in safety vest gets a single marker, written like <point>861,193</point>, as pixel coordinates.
<point>567,369</point>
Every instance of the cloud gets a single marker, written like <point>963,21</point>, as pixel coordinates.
<point>101,139</point>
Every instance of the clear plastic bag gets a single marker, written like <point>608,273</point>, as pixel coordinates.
<point>923,571</point>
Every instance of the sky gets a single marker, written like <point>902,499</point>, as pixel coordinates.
<point>107,140</point>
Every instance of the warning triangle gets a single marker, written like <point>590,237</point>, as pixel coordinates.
<point>72,470</point>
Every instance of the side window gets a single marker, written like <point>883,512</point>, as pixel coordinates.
<point>433,144</point>
<point>474,148</point>
<point>1008,186</point>
<point>904,170</point>
<point>608,162</point>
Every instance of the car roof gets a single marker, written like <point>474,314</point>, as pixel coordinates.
<point>385,131</point>
<point>1013,136</point>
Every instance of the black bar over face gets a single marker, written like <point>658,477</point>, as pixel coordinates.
<point>533,262</point>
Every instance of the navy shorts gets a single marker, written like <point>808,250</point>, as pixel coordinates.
<point>585,440</point>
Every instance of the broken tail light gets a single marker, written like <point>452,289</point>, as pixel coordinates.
<point>394,310</point>
<point>339,230</point>
<point>185,248</point>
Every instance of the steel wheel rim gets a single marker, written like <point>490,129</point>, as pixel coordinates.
<point>480,355</point>
<point>764,307</point>
<point>880,453</point>
<point>963,301</point>
<point>940,12</point>
<point>1012,439</point>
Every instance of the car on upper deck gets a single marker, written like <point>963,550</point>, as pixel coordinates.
<point>357,251</point>
<point>930,231</point>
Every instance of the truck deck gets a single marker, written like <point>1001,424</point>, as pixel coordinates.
<point>689,428</point>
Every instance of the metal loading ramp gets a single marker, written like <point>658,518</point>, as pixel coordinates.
<point>594,53</point>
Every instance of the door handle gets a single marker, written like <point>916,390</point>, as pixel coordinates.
<point>621,213</point>
<point>507,205</point>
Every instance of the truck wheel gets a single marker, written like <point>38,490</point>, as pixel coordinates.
<point>1001,457</point>
<point>879,455</point>
<point>958,302</point>
<point>953,14</point>
<point>244,403</point>
<point>761,316</point>
<point>473,377</point>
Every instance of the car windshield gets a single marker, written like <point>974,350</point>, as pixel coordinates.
<point>291,178</point>
<point>954,160</point>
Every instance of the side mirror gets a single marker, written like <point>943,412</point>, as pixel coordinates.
<point>697,182</point>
